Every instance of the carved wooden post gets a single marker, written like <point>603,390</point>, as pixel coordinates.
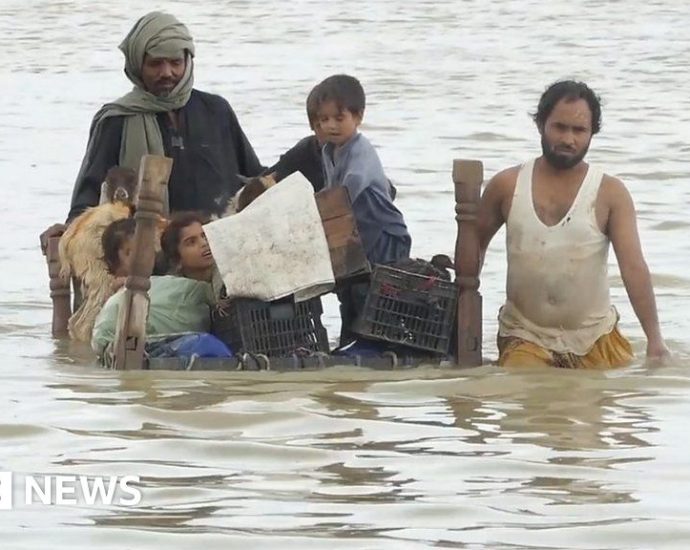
<point>130,334</point>
<point>59,290</point>
<point>467,177</point>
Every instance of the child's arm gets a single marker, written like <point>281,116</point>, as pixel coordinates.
<point>296,159</point>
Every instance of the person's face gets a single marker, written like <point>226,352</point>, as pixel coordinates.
<point>124,256</point>
<point>161,74</point>
<point>195,254</point>
<point>337,125</point>
<point>567,133</point>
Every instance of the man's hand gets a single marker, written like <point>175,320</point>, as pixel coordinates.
<point>55,230</point>
<point>657,350</point>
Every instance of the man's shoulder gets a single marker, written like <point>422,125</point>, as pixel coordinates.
<point>612,183</point>
<point>505,180</point>
<point>213,101</point>
<point>508,174</point>
<point>612,190</point>
<point>109,120</point>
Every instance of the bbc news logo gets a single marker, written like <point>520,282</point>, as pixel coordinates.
<point>67,490</point>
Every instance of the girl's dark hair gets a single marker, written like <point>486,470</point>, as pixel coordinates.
<point>114,236</point>
<point>170,239</point>
<point>345,90</point>
<point>570,90</point>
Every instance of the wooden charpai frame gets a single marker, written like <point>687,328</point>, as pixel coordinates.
<point>130,336</point>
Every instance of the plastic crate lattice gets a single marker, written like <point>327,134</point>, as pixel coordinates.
<point>276,329</point>
<point>410,309</point>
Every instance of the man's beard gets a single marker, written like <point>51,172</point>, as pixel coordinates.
<point>559,161</point>
<point>165,87</point>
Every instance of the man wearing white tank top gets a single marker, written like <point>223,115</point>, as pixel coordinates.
<point>560,215</point>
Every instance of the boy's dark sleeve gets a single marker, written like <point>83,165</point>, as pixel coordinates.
<point>292,160</point>
<point>247,161</point>
<point>104,154</point>
<point>304,157</point>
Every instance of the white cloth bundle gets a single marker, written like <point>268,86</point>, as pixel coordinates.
<point>275,247</point>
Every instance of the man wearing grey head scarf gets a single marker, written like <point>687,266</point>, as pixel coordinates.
<point>163,114</point>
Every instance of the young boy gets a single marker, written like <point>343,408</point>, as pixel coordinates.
<point>350,160</point>
<point>305,156</point>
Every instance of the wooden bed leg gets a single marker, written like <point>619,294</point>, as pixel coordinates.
<point>59,290</point>
<point>130,334</point>
<point>467,178</point>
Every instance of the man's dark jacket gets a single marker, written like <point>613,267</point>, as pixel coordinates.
<point>208,150</point>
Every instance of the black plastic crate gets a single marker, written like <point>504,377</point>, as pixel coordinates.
<point>276,329</point>
<point>410,309</point>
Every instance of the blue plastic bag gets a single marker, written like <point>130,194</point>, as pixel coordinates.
<point>199,344</point>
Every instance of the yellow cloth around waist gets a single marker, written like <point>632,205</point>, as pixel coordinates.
<point>609,351</point>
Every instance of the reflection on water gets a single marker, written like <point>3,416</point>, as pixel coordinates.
<point>429,455</point>
<point>349,458</point>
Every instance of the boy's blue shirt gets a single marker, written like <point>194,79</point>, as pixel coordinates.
<point>357,167</point>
